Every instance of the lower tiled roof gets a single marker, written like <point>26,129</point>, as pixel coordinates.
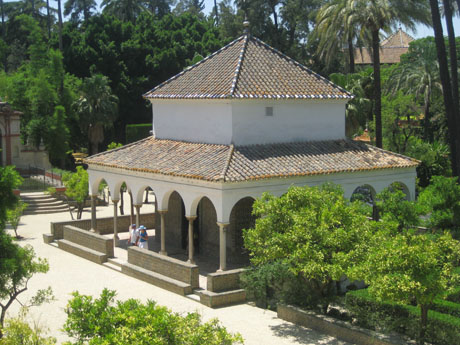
<point>230,163</point>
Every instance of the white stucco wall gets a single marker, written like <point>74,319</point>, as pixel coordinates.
<point>244,122</point>
<point>193,120</point>
<point>292,121</point>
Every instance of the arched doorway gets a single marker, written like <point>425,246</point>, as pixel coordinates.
<point>205,230</point>
<point>240,218</point>
<point>400,186</point>
<point>176,234</point>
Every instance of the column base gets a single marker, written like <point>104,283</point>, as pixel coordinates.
<point>163,252</point>
<point>92,230</point>
<point>191,261</point>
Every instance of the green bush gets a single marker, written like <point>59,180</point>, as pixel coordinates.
<point>137,132</point>
<point>102,321</point>
<point>18,331</point>
<point>447,307</point>
<point>272,283</point>
<point>443,329</point>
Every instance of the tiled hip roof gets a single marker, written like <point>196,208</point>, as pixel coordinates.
<point>227,163</point>
<point>247,68</point>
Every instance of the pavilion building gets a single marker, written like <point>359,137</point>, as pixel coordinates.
<point>243,121</point>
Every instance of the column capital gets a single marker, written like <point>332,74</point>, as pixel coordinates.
<point>162,211</point>
<point>191,218</point>
<point>224,225</point>
<point>115,201</point>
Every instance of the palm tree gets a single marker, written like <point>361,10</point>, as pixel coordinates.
<point>452,120</point>
<point>376,15</point>
<point>97,108</point>
<point>126,10</point>
<point>418,76</point>
<point>334,30</point>
<point>75,8</point>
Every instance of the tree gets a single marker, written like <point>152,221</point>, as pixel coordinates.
<point>418,74</point>
<point>17,266</point>
<point>441,201</point>
<point>125,10</point>
<point>312,230</point>
<point>410,268</point>
<point>77,188</point>
<point>9,180</point>
<point>374,16</point>
<point>393,206</point>
<point>451,113</point>
<point>58,141</point>
<point>334,30</point>
<point>97,108</point>
<point>75,8</point>
<point>14,216</point>
<point>131,322</point>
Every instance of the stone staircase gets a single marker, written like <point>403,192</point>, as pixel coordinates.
<point>41,203</point>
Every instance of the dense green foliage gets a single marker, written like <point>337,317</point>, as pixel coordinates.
<point>443,329</point>
<point>441,200</point>
<point>9,180</point>
<point>314,231</point>
<point>137,132</point>
<point>18,331</point>
<point>102,321</point>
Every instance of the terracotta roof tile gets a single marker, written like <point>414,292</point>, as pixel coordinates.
<point>247,68</point>
<point>234,164</point>
<point>391,49</point>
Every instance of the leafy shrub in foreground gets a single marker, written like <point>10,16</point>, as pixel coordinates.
<point>101,321</point>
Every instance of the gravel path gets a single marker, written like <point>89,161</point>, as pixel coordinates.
<point>70,273</point>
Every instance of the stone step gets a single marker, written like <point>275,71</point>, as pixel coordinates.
<point>116,261</point>
<point>49,200</point>
<point>112,266</point>
<point>45,211</point>
<point>47,207</point>
<point>35,196</point>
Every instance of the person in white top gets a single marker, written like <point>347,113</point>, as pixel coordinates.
<point>133,235</point>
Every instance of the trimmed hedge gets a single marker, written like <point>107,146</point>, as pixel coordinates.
<point>447,307</point>
<point>137,132</point>
<point>443,329</point>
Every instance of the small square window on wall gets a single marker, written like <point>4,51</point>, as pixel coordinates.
<point>268,111</point>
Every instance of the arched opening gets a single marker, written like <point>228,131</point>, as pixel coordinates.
<point>240,218</point>
<point>364,193</point>
<point>103,191</point>
<point>176,230</point>
<point>205,230</point>
<point>400,186</point>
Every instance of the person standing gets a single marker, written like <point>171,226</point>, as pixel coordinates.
<point>133,235</point>
<point>143,238</point>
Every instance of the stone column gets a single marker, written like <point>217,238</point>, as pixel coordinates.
<point>163,231</point>
<point>138,212</point>
<point>223,246</point>
<point>116,239</point>
<point>93,214</point>
<point>190,239</point>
